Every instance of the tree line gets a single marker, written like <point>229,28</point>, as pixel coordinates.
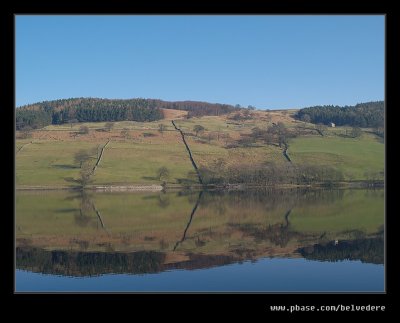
<point>30,119</point>
<point>268,198</point>
<point>84,110</point>
<point>75,110</point>
<point>81,263</point>
<point>269,174</point>
<point>196,108</point>
<point>367,250</point>
<point>369,114</point>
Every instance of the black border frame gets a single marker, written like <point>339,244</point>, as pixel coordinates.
<point>199,304</point>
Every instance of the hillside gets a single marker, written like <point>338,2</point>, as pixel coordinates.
<point>38,115</point>
<point>243,146</point>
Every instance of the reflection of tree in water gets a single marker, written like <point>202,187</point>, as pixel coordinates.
<point>369,250</point>
<point>163,244</point>
<point>87,214</point>
<point>216,201</point>
<point>191,195</point>
<point>82,219</point>
<point>374,193</point>
<point>76,263</point>
<point>163,200</point>
<point>279,233</point>
<point>268,199</point>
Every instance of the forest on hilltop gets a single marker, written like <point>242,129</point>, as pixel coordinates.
<point>41,114</point>
<point>369,114</point>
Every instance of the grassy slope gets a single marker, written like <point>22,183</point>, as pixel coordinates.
<point>206,152</point>
<point>138,163</point>
<point>49,160</point>
<point>353,157</point>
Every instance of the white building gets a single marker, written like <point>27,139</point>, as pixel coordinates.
<point>333,125</point>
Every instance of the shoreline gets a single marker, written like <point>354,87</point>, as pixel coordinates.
<point>228,187</point>
<point>116,188</point>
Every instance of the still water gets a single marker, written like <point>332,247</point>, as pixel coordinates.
<point>254,241</point>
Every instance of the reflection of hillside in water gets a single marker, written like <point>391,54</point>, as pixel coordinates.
<point>188,230</point>
<point>366,250</point>
<point>146,262</point>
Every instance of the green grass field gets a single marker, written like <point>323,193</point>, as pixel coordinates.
<point>354,157</point>
<point>138,163</point>
<point>49,160</point>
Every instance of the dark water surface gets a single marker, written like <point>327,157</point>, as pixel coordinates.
<point>254,241</point>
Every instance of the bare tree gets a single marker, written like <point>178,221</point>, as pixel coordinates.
<point>257,133</point>
<point>108,126</point>
<point>321,128</point>
<point>125,133</point>
<point>198,128</point>
<point>299,128</point>
<point>81,157</point>
<point>83,130</point>
<point>226,137</point>
<point>356,132</point>
<point>279,132</point>
<point>268,138</point>
<point>85,175</point>
<point>163,173</point>
<point>162,128</point>
<point>24,134</point>
<point>379,131</point>
<point>211,136</point>
<point>219,165</point>
<point>71,122</point>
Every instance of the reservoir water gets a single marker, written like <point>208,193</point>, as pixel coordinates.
<point>238,241</point>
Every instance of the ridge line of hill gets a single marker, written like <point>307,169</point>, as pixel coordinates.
<point>39,115</point>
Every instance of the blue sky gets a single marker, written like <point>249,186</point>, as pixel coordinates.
<point>269,62</point>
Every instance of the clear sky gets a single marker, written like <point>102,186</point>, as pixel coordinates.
<point>269,62</point>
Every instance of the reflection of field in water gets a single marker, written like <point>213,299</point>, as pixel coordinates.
<point>234,225</point>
